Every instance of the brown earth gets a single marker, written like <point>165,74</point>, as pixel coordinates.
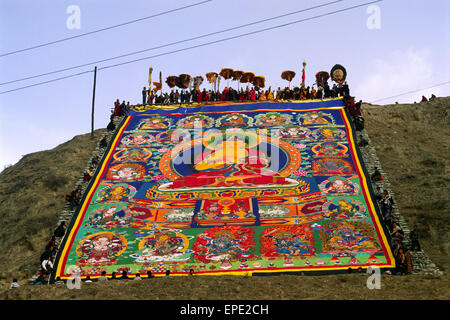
<point>412,145</point>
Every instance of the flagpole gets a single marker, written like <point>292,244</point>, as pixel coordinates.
<point>150,70</point>
<point>303,73</point>
<point>93,102</point>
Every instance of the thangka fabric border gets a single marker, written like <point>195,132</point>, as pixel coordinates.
<point>229,214</point>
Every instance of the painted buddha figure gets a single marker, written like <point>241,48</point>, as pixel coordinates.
<point>231,162</point>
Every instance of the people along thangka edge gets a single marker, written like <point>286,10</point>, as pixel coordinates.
<point>228,189</point>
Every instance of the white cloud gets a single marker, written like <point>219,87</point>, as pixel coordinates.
<point>400,72</point>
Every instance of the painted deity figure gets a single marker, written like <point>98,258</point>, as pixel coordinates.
<point>344,209</point>
<point>234,120</point>
<point>153,123</point>
<point>133,154</point>
<point>346,237</point>
<point>108,217</point>
<point>126,172</point>
<point>339,185</point>
<point>315,118</point>
<point>290,244</point>
<point>331,133</point>
<point>272,119</point>
<point>116,193</point>
<point>138,139</point>
<point>295,132</point>
<point>293,241</point>
<point>224,243</point>
<point>195,122</point>
<point>163,245</point>
<point>100,249</point>
<point>330,149</point>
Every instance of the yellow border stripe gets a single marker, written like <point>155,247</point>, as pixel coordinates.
<point>148,107</point>
<point>367,192</point>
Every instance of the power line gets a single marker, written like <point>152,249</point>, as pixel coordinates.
<point>212,42</point>
<point>103,29</point>
<point>402,94</point>
<point>48,81</point>
<point>241,35</point>
<point>170,44</point>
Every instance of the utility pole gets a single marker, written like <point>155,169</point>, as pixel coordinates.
<point>93,102</point>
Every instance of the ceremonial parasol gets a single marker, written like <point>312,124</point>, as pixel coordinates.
<point>288,75</point>
<point>226,73</point>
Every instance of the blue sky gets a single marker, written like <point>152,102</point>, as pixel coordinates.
<point>409,51</point>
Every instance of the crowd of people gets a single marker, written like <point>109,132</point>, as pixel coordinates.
<point>399,243</point>
<point>186,96</point>
<point>120,109</point>
<point>424,99</point>
<point>122,275</point>
<point>48,256</point>
<point>73,199</point>
<point>400,249</point>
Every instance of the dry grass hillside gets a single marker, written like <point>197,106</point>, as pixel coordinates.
<point>411,142</point>
<point>32,194</point>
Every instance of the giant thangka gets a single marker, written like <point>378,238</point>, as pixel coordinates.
<point>228,189</point>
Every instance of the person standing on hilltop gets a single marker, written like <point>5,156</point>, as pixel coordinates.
<point>51,243</point>
<point>376,175</point>
<point>270,94</point>
<point>362,142</point>
<point>144,96</point>
<point>47,266</point>
<point>319,94</point>
<point>60,230</point>
<point>122,111</point>
<point>14,284</point>
<point>103,277</point>
<point>345,89</point>
<point>116,111</point>
<point>414,237</point>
